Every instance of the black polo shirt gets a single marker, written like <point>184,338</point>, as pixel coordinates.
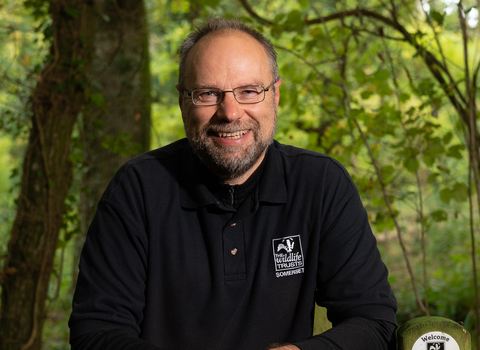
<point>169,263</point>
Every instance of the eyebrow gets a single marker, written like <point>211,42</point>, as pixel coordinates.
<point>208,86</point>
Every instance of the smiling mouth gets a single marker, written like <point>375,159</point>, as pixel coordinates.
<point>231,135</point>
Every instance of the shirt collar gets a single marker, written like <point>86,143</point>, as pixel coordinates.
<point>194,177</point>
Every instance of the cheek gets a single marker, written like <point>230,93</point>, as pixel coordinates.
<point>196,117</point>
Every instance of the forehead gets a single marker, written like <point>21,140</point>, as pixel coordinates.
<point>227,60</point>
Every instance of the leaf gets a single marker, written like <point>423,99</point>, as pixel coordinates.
<point>98,99</point>
<point>378,202</point>
<point>383,89</point>
<point>355,113</point>
<point>429,159</point>
<point>437,17</point>
<point>389,223</point>
<point>294,21</point>
<point>439,215</point>
<point>278,18</point>
<point>303,3</point>
<point>335,90</point>
<point>366,95</point>
<point>411,164</point>
<point>381,75</point>
<point>379,222</point>
<point>445,195</point>
<point>460,192</point>
<point>455,151</point>
<point>387,173</point>
<point>404,97</point>
<point>447,138</point>
<point>360,76</point>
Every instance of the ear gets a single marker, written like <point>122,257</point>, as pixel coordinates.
<point>180,95</point>
<point>277,91</point>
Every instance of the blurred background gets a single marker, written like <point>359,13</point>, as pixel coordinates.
<point>389,88</point>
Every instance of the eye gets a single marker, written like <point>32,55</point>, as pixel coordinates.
<point>207,94</point>
<point>249,90</point>
<point>248,93</point>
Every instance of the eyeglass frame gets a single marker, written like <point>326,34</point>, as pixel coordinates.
<point>190,93</point>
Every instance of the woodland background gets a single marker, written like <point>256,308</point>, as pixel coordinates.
<point>390,88</point>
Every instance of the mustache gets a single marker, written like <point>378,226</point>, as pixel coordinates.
<point>237,125</point>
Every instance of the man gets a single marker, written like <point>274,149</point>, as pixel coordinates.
<point>226,240</point>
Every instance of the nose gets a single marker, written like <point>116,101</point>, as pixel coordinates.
<point>229,109</point>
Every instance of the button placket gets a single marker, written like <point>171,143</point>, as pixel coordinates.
<point>234,254</point>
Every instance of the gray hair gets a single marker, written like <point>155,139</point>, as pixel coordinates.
<point>218,25</point>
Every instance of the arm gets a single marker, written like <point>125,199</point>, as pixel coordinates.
<point>363,334</point>
<point>352,281</point>
<point>355,333</point>
<point>113,339</point>
<point>109,298</point>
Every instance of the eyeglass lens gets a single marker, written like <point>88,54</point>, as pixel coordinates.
<point>243,94</point>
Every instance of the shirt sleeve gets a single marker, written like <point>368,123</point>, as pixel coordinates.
<point>355,333</point>
<point>352,280</point>
<point>110,340</point>
<point>110,292</point>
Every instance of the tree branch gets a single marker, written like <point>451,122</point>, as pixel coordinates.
<point>435,66</point>
<point>252,13</point>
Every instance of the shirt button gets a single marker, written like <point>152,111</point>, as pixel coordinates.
<point>233,225</point>
<point>234,251</point>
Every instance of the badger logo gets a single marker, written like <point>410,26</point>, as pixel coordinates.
<point>288,246</point>
<point>288,256</point>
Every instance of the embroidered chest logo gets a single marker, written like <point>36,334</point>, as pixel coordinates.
<point>288,256</point>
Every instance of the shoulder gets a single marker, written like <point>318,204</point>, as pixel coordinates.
<point>170,151</point>
<point>306,163</point>
<point>150,169</point>
<point>158,158</point>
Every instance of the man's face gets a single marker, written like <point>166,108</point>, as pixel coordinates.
<point>230,138</point>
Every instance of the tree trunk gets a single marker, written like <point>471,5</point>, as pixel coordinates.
<point>56,102</point>
<point>116,125</point>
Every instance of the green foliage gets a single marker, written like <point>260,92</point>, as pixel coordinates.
<point>21,53</point>
<point>341,78</point>
<point>450,291</point>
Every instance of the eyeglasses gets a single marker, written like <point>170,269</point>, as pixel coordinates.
<point>243,94</point>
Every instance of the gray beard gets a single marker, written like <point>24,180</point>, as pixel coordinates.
<point>224,161</point>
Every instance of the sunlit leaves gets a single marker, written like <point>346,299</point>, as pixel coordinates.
<point>374,84</point>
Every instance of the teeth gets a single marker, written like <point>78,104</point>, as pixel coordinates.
<point>232,135</point>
